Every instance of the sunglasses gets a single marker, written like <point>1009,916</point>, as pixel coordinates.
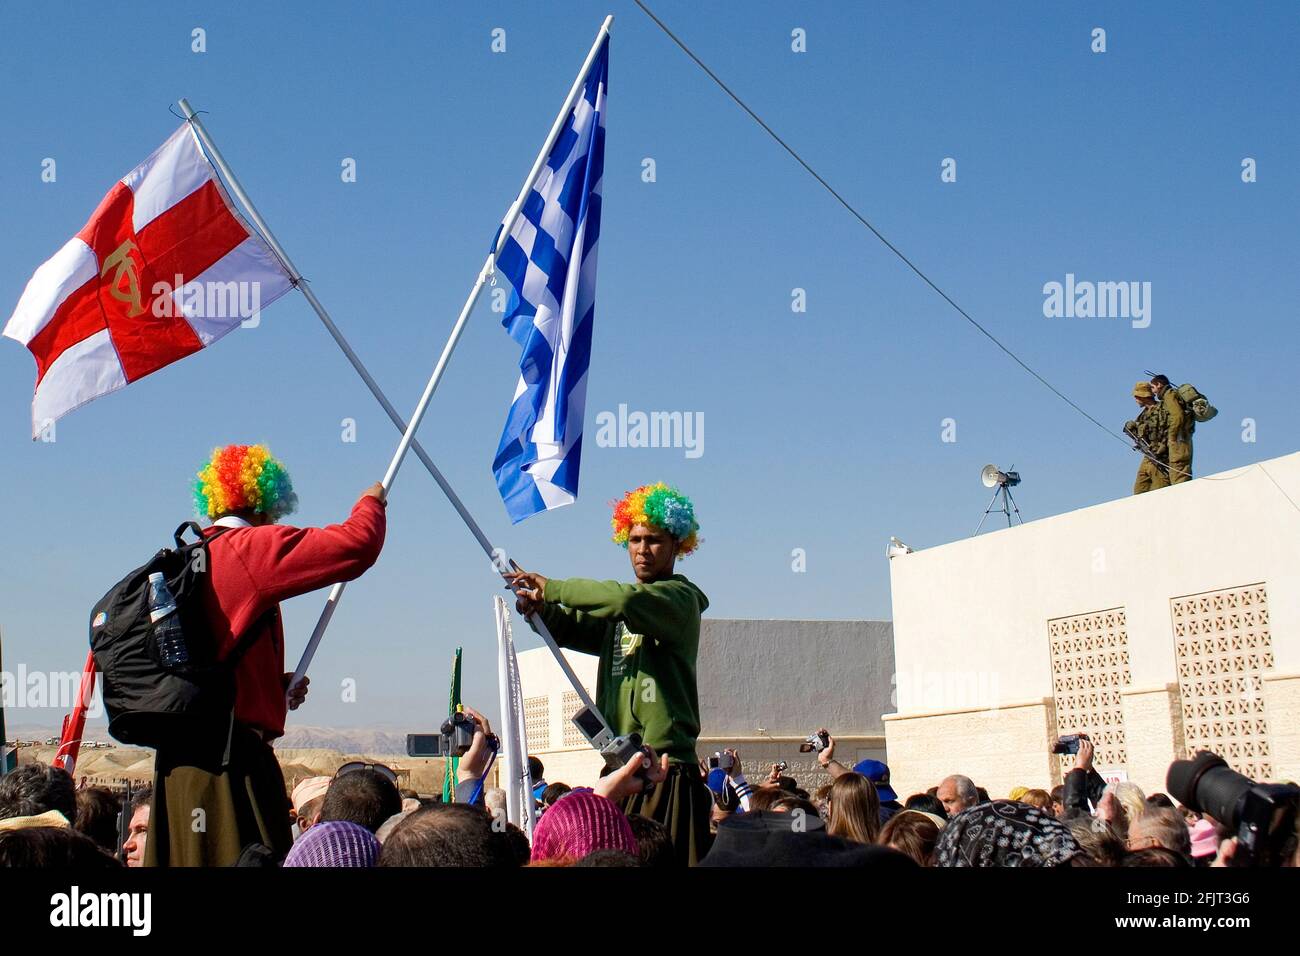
<point>353,766</point>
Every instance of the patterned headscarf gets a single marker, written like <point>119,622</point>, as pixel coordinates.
<point>1004,833</point>
<point>337,843</point>
<point>580,823</point>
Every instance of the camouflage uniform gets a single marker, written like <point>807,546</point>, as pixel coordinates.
<point>1151,431</point>
<point>1179,437</point>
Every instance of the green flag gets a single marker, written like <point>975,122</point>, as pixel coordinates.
<point>450,764</point>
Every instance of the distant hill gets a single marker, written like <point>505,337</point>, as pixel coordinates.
<point>363,740</point>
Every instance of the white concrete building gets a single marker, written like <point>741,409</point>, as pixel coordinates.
<point>1159,624</point>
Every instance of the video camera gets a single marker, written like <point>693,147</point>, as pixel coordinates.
<point>815,743</point>
<point>615,751</point>
<point>1261,815</point>
<point>454,739</point>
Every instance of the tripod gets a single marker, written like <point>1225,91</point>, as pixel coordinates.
<point>1008,508</point>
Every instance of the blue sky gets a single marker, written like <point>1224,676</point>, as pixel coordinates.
<point>822,428</point>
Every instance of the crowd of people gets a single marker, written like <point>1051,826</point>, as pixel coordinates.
<point>359,817</point>
<point>219,796</point>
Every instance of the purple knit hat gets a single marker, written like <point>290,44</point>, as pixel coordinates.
<point>337,843</point>
<point>580,823</point>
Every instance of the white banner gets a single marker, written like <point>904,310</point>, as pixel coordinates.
<point>514,738</point>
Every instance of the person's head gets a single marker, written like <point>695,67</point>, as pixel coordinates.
<point>450,834</point>
<point>1160,800</point>
<point>957,793</point>
<point>1158,384</point>
<point>654,844</point>
<point>1040,799</point>
<point>365,797</point>
<point>97,810</point>
<point>1160,826</point>
<point>308,797</point>
<point>494,802</point>
<point>1143,395</point>
<point>581,823</point>
<point>246,482</point>
<point>927,803</point>
<point>553,792</point>
<point>878,773</point>
<point>911,832</point>
<point>854,808</point>
<point>657,525</point>
<point>762,798</point>
<point>1099,841</point>
<point>604,858</point>
<point>795,804</point>
<point>335,844</point>
<point>1058,800</point>
<point>34,789</point>
<point>1132,799</point>
<point>536,772</point>
<point>1155,856</point>
<point>137,831</point>
<point>52,848</point>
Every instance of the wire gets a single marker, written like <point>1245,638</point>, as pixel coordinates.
<point>899,253</point>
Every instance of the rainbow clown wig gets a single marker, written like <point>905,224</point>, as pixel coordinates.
<point>244,477</point>
<point>659,506</point>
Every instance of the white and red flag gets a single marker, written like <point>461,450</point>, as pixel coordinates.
<point>164,267</point>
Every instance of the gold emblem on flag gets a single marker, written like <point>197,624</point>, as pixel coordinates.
<point>121,260</point>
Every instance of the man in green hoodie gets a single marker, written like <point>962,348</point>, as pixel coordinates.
<point>647,636</point>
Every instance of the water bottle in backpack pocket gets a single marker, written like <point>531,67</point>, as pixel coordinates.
<point>164,678</point>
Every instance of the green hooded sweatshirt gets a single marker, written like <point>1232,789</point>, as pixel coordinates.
<point>647,637</point>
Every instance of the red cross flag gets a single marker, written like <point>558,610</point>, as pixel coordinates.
<point>164,267</point>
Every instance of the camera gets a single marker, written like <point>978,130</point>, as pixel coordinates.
<point>1069,744</point>
<point>781,766</point>
<point>722,761</point>
<point>1262,816</point>
<point>815,743</point>
<point>453,739</point>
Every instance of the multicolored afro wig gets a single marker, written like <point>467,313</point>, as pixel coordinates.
<point>661,507</point>
<point>244,477</point>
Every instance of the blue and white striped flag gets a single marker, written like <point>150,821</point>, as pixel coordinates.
<point>549,259</point>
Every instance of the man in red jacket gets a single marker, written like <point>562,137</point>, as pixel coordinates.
<point>217,802</point>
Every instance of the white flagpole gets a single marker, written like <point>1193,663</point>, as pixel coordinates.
<point>509,770</point>
<point>489,265</point>
<point>521,738</point>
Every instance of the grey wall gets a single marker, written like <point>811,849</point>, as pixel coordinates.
<point>791,677</point>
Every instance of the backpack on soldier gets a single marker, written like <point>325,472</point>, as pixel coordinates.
<point>1195,402</point>
<point>157,655</point>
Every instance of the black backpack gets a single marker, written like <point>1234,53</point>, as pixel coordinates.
<point>149,703</point>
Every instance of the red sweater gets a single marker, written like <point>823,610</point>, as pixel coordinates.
<point>254,569</point>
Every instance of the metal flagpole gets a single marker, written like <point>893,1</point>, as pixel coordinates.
<point>305,288</point>
<point>489,266</point>
<point>509,757</point>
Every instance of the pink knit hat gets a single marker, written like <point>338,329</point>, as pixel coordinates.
<point>580,823</point>
<point>1205,841</point>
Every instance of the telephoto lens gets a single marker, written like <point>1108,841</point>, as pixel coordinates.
<point>1262,816</point>
<point>1209,786</point>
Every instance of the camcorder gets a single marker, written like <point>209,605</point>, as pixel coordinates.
<point>1069,744</point>
<point>722,760</point>
<point>615,751</point>
<point>815,743</point>
<point>1262,816</point>
<point>453,740</point>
